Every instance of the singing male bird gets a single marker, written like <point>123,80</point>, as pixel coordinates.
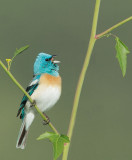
<point>44,89</point>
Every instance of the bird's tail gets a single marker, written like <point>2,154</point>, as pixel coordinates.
<point>23,133</point>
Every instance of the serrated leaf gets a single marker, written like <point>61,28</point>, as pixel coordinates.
<point>20,50</point>
<point>57,140</point>
<point>46,135</point>
<point>59,145</point>
<point>121,54</point>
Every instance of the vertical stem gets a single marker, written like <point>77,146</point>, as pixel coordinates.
<point>81,78</point>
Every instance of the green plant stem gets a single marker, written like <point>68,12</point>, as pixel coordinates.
<point>112,28</point>
<point>23,90</point>
<point>81,78</point>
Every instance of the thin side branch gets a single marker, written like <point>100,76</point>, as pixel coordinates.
<point>112,28</point>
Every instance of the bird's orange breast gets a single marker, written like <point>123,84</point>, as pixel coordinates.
<point>50,80</point>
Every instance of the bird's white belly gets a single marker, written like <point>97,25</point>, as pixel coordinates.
<point>46,96</point>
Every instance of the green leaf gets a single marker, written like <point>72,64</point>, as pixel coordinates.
<point>20,50</point>
<point>57,140</point>
<point>121,54</point>
<point>47,135</point>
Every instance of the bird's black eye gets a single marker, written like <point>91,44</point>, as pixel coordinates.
<point>48,59</point>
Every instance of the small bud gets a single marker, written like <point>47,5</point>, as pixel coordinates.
<point>8,63</point>
<point>8,60</point>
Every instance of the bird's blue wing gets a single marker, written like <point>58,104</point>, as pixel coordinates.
<point>30,89</point>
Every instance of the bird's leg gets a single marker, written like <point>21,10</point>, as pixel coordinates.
<point>33,103</point>
<point>45,122</point>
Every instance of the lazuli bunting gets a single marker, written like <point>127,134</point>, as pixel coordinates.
<point>44,89</point>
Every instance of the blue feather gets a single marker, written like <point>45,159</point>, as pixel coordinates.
<point>44,64</point>
<point>30,89</point>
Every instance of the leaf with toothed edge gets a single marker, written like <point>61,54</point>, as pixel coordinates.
<point>121,54</point>
<point>57,140</point>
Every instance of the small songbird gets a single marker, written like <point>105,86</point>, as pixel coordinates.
<point>44,89</point>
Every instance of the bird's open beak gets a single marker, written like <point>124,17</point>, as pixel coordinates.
<point>55,61</point>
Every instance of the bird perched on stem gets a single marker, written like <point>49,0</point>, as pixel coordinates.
<point>44,89</point>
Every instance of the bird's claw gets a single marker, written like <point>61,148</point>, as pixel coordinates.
<point>33,103</point>
<point>45,122</point>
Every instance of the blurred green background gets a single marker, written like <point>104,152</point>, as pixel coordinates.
<point>103,129</point>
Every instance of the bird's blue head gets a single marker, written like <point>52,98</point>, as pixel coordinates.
<point>45,63</point>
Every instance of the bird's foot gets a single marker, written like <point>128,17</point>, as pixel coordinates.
<point>45,122</point>
<point>33,103</point>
